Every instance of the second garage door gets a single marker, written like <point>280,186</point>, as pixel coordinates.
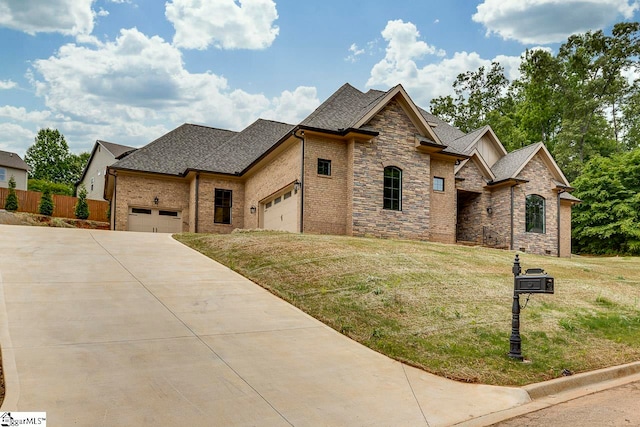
<point>154,220</point>
<point>281,212</point>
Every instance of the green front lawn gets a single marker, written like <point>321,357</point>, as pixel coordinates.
<point>447,308</point>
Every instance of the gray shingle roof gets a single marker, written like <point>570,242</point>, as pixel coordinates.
<point>443,130</point>
<point>115,149</point>
<point>206,149</point>
<point>508,165</point>
<point>176,151</point>
<point>462,143</point>
<point>244,148</point>
<point>343,109</point>
<point>12,160</point>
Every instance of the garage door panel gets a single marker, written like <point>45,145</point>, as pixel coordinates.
<point>281,213</point>
<point>155,220</point>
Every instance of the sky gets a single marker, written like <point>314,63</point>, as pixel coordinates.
<point>128,71</point>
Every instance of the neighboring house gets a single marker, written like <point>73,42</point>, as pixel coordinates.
<point>362,164</point>
<point>12,165</point>
<point>93,176</point>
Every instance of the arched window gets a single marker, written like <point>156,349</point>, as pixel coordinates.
<point>535,214</point>
<point>392,188</point>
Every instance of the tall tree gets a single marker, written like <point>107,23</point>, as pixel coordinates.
<point>49,157</point>
<point>482,98</point>
<point>608,219</point>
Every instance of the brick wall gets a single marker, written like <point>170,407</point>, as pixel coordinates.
<point>325,197</point>
<point>206,204</point>
<point>395,146</point>
<point>499,222</point>
<point>443,203</point>
<point>275,175</point>
<point>540,183</point>
<point>565,228</point>
<point>139,191</point>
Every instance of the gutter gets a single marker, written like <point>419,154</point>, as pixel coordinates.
<point>113,198</point>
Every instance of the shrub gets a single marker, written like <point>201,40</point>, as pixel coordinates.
<point>82,208</point>
<point>11,203</point>
<point>55,188</point>
<point>46,203</point>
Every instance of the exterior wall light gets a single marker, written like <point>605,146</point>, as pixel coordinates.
<point>296,186</point>
<point>252,209</point>
<point>489,210</point>
<point>156,200</point>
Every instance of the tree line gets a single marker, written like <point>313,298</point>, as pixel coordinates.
<point>583,103</point>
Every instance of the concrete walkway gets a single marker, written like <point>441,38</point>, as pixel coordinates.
<point>114,328</point>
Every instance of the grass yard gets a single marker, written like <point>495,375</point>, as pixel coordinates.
<point>447,308</point>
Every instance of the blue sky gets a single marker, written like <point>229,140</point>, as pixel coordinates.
<point>128,71</point>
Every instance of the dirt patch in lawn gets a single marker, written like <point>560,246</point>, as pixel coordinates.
<point>29,219</point>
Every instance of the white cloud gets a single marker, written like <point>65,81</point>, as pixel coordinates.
<point>224,24</point>
<point>433,79</point>
<point>135,88</point>
<point>22,115</point>
<point>70,17</point>
<point>293,107</point>
<point>103,12</point>
<point>15,138</point>
<point>7,84</point>
<point>549,21</point>
<point>355,52</point>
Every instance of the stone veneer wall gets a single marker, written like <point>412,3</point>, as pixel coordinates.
<point>499,222</point>
<point>325,207</point>
<point>443,203</point>
<point>139,191</point>
<point>394,146</point>
<point>206,204</point>
<point>540,183</point>
<point>280,172</point>
<point>472,214</point>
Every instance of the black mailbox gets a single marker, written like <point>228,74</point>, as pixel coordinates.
<point>534,281</point>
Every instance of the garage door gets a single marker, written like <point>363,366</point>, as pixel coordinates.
<point>281,212</point>
<point>155,220</point>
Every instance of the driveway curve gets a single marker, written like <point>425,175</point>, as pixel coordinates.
<point>121,328</point>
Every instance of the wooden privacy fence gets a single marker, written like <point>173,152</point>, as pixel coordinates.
<point>63,206</point>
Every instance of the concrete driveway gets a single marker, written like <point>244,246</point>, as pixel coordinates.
<point>116,328</point>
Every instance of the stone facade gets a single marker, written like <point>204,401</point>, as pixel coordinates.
<point>139,191</point>
<point>394,146</point>
<point>540,182</point>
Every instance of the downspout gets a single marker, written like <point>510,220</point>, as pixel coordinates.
<point>113,198</point>
<point>301,138</point>
<point>197,207</point>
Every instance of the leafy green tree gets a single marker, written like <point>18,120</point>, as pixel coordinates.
<point>11,202</point>
<point>50,160</point>
<point>82,208</point>
<point>608,219</point>
<point>46,204</point>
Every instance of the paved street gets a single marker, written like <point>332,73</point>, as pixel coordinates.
<point>116,328</point>
<point>619,406</point>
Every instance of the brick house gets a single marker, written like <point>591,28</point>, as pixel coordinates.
<point>362,164</point>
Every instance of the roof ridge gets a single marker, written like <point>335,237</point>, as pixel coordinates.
<point>526,147</point>
<point>327,102</point>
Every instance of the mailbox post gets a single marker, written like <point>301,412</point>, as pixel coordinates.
<point>534,281</point>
